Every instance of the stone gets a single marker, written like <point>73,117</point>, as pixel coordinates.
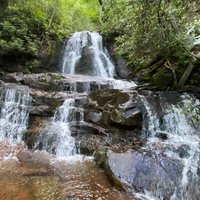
<point>144,171</point>
<point>161,135</point>
<point>85,64</point>
<point>117,107</point>
<point>130,118</point>
<point>122,69</point>
<point>37,125</point>
<point>94,116</point>
<point>183,151</point>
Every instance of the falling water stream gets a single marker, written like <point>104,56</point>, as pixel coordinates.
<point>180,139</point>
<point>14,114</point>
<point>85,55</point>
<point>58,137</point>
<point>91,42</point>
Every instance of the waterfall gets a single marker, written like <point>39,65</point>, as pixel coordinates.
<point>14,114</point>
<point>85,54</point>
<point>175,120</point>
<point>56,138</point>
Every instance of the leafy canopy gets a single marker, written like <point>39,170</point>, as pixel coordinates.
<point>26,25</point>
<point>147,29</point>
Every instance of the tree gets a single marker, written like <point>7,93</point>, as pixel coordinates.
<point>148,31</point>
<point>101,2</point>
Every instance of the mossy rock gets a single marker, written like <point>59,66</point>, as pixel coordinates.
<point>163,78</point>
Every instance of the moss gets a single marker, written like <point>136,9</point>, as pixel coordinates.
<point>56,76</point>
<point>163,78</point>
<point>54,103</point>
<point>32,65</point>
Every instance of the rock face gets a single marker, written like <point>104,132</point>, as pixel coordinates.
<point>84,65</point>
<point>112,117</point>
<point>108,113</point>
<point>122,69</point>
<point>114,107</point>
<point>114,125</point>
<point>55,82</point>
<point>144,171</point>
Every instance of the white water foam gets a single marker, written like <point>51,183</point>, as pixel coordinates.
<point>14,114</point>
<point>181,132</point>
<point>102,66</point>
<point>57,137</point>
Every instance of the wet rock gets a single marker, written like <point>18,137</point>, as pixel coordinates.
<point>90,137</point>
<point>161,135</point>
<point>94,116</point>
<point>109,98</point>
<point>37,125</point>
<point>198,171</point>
<point>45,103</point>
<point>183,151</point>
<point>41,110</point>
<point>100,155</point>
<point>122,69</point>
<point>115,107</point>
<point>130,118</point>
<point>20,88</point>
<point>85,64</point>
<point>144,171</point>
<point>57,82</point>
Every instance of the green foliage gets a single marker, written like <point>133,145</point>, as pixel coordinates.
<point>28,27</point>
<point>78,15</point>
<point>163,78</point>
<point>20,33</point>
<point>146,30</point>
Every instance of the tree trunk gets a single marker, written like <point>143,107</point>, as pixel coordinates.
<point>186,75</point>
<point>100,11</point>
<point>53,13</point>
<point>101,2</point>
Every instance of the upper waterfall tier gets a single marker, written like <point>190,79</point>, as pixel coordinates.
<point>85,54</point>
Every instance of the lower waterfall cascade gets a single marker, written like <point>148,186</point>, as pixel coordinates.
<point>60,116</point>
<point>14,113</point>
<point>173,122</point>
<point>58,138</point>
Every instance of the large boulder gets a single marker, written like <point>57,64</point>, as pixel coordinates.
<point>112,118</point>
<point>140,171</point>
<point>114,107</point>
<point>122,69</point>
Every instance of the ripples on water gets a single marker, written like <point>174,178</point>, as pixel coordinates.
<point>40,176</point>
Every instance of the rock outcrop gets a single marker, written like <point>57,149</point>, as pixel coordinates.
<point>114,107</point>
<point>111,116</point>
<point>143,170</point>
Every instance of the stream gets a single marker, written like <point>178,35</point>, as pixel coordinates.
<point>55,126</point>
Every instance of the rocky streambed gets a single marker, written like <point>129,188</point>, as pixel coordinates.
<point>144,141</point>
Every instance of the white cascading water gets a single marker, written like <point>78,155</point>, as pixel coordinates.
<point>57,137</point>
<point>101,63</point>
<point>14,114</point>
<point>181,131</point>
